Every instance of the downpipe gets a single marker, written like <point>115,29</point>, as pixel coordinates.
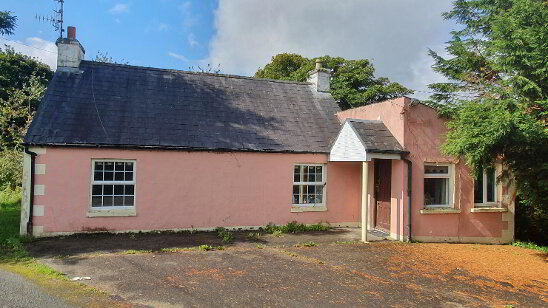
<point>409,192</point>
<point>31,198</point>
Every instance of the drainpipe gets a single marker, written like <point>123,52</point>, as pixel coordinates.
<point>409,191</point>
<point>31,199</point>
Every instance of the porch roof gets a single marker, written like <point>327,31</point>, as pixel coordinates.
<point>362,140</point>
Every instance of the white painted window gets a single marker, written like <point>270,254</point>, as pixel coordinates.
<point>113,184</point>
<point>438,185</point>
<point>485,188</point>
<point>309,185</point>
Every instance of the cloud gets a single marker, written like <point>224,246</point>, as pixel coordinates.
<point>119,8</point>
<point>393,34</point>
<point>192,42</point>
<point>40,49</point>
<point>189,19</point>
<point>177,56</point>
<point>162,27</point>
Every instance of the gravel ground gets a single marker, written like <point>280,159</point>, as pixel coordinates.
<point>332,270</point>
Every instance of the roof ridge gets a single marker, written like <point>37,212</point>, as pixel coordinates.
<point>195,73</point>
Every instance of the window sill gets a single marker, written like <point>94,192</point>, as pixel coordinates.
<point>440,210</point>
<point>300,209</point>
<point>112,213</point>
<point>489,210</point>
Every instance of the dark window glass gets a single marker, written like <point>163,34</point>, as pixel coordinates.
<point>109,176</point>
<point>118,189</point>
<point>119,176</point>
<point>96,201</point>
<point>478,188</point>
<point>129,166</point>
<point>129,176</point>
<point>129,190</point>
<point>128,201</point>
<point>119,201</point>
<point>98,166</point>
<point>98,176</point>
<point>435,191</point>
<point>107,201</point>
<point>97,190</point>
<point>109,166</point>
<point>108,190</point>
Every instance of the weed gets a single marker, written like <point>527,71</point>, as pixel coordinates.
<point>530,245</point>
<point>310,244</point>
<point>295,227</point>
<point>277,233</point>
<point>134,252</point>
<point>225,236</point>
<point>261,246</point>
<point>205,248</point>
<point>132,236</point>
<point>254,236</point>
<point>219,248</point>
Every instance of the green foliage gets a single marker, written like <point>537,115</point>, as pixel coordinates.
<point>9,197</point>
<point>11,169</point>
<point>8,23</point>
<point>23,82</point>
<point>310,244</point>
<point>294,227</point>
<point>11,245</point>
<point>254,236</point>
<point>205,248</point>
<point>530,245</point>
<point>353,82</point>
<point>497,94</point>
<point>225,236</point>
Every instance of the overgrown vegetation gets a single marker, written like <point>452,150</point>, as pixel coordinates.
<point>353,82</point>
<point>530,245</point>
<point>294,227</point>
<point>497,96</point>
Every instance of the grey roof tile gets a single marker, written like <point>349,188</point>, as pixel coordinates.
<point>121,105</point>
<point>376,138</point>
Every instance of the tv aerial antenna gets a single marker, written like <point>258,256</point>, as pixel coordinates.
<point>56,20</point>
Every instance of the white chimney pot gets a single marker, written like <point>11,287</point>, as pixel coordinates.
<point>320,78</point>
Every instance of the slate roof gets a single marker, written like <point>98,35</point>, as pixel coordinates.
<point>128,106</point>
<point>375,137</point>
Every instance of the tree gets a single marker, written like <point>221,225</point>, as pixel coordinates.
<point>8,23</point>
<point>23,81</point>
<point>105,58</point>
<point>497,94</point>
<point>353,82</point>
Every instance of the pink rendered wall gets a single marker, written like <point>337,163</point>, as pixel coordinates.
<point>420,130</point>
<point>177,189</point>
<point>424,136</point>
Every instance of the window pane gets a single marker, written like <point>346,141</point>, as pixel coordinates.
<point>96,201</point>
<point>119,201</point>
<point>119,176</point>
<point>98,176</point>
<point>119,166</point>
<point>305,174</point>
<point>319,198</point>
<point>107,201</point>
<point>491,185</point>
<point>435,191</point>
<point>318,174</point>
<point>128,201</point>
<point>109,176</point>
<point>129,176</point>
<point>297,174</point>
<point>295,199</point>
<point>312,177</point>
<point>429,169</point>
<point>97,190</point>
<point>107,189</point>
<point>311,189</point>
<point>98,166</point>
<point>109,166</point>
<point>311,198</point>
<point>118,189</point>
<point>478,188</point>
<point>129,166</point>
<point>129,190</point>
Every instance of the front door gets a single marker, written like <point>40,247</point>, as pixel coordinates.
<point>383,179</point>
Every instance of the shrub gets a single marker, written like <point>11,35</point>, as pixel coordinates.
<point>295,227</point>
<point>11,169</point>
<point>205,247</point>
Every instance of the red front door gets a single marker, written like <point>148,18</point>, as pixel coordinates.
<point>383,179</point>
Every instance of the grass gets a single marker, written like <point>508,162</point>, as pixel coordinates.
<point>14,257</point>
<point>225,236</point>
<point>530,245</point>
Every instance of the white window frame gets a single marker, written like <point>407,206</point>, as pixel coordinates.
<point>114,182</point>
<point>322,183</point>
<point>484,197</point>
<point>451,183</point>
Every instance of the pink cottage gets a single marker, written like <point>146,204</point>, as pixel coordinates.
<point>125,148</point>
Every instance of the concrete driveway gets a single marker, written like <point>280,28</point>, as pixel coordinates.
<point>302,270</point>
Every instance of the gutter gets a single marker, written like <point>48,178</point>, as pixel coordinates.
<point>409,191</point>
<point>31,199</point>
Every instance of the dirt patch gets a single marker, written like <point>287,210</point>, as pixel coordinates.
<point>499,266</point>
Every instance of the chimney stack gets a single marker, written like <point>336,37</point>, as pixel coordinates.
<point>69,52</point>
<point>320,78</point>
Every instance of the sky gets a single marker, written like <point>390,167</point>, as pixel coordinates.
<point>240,36</point>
